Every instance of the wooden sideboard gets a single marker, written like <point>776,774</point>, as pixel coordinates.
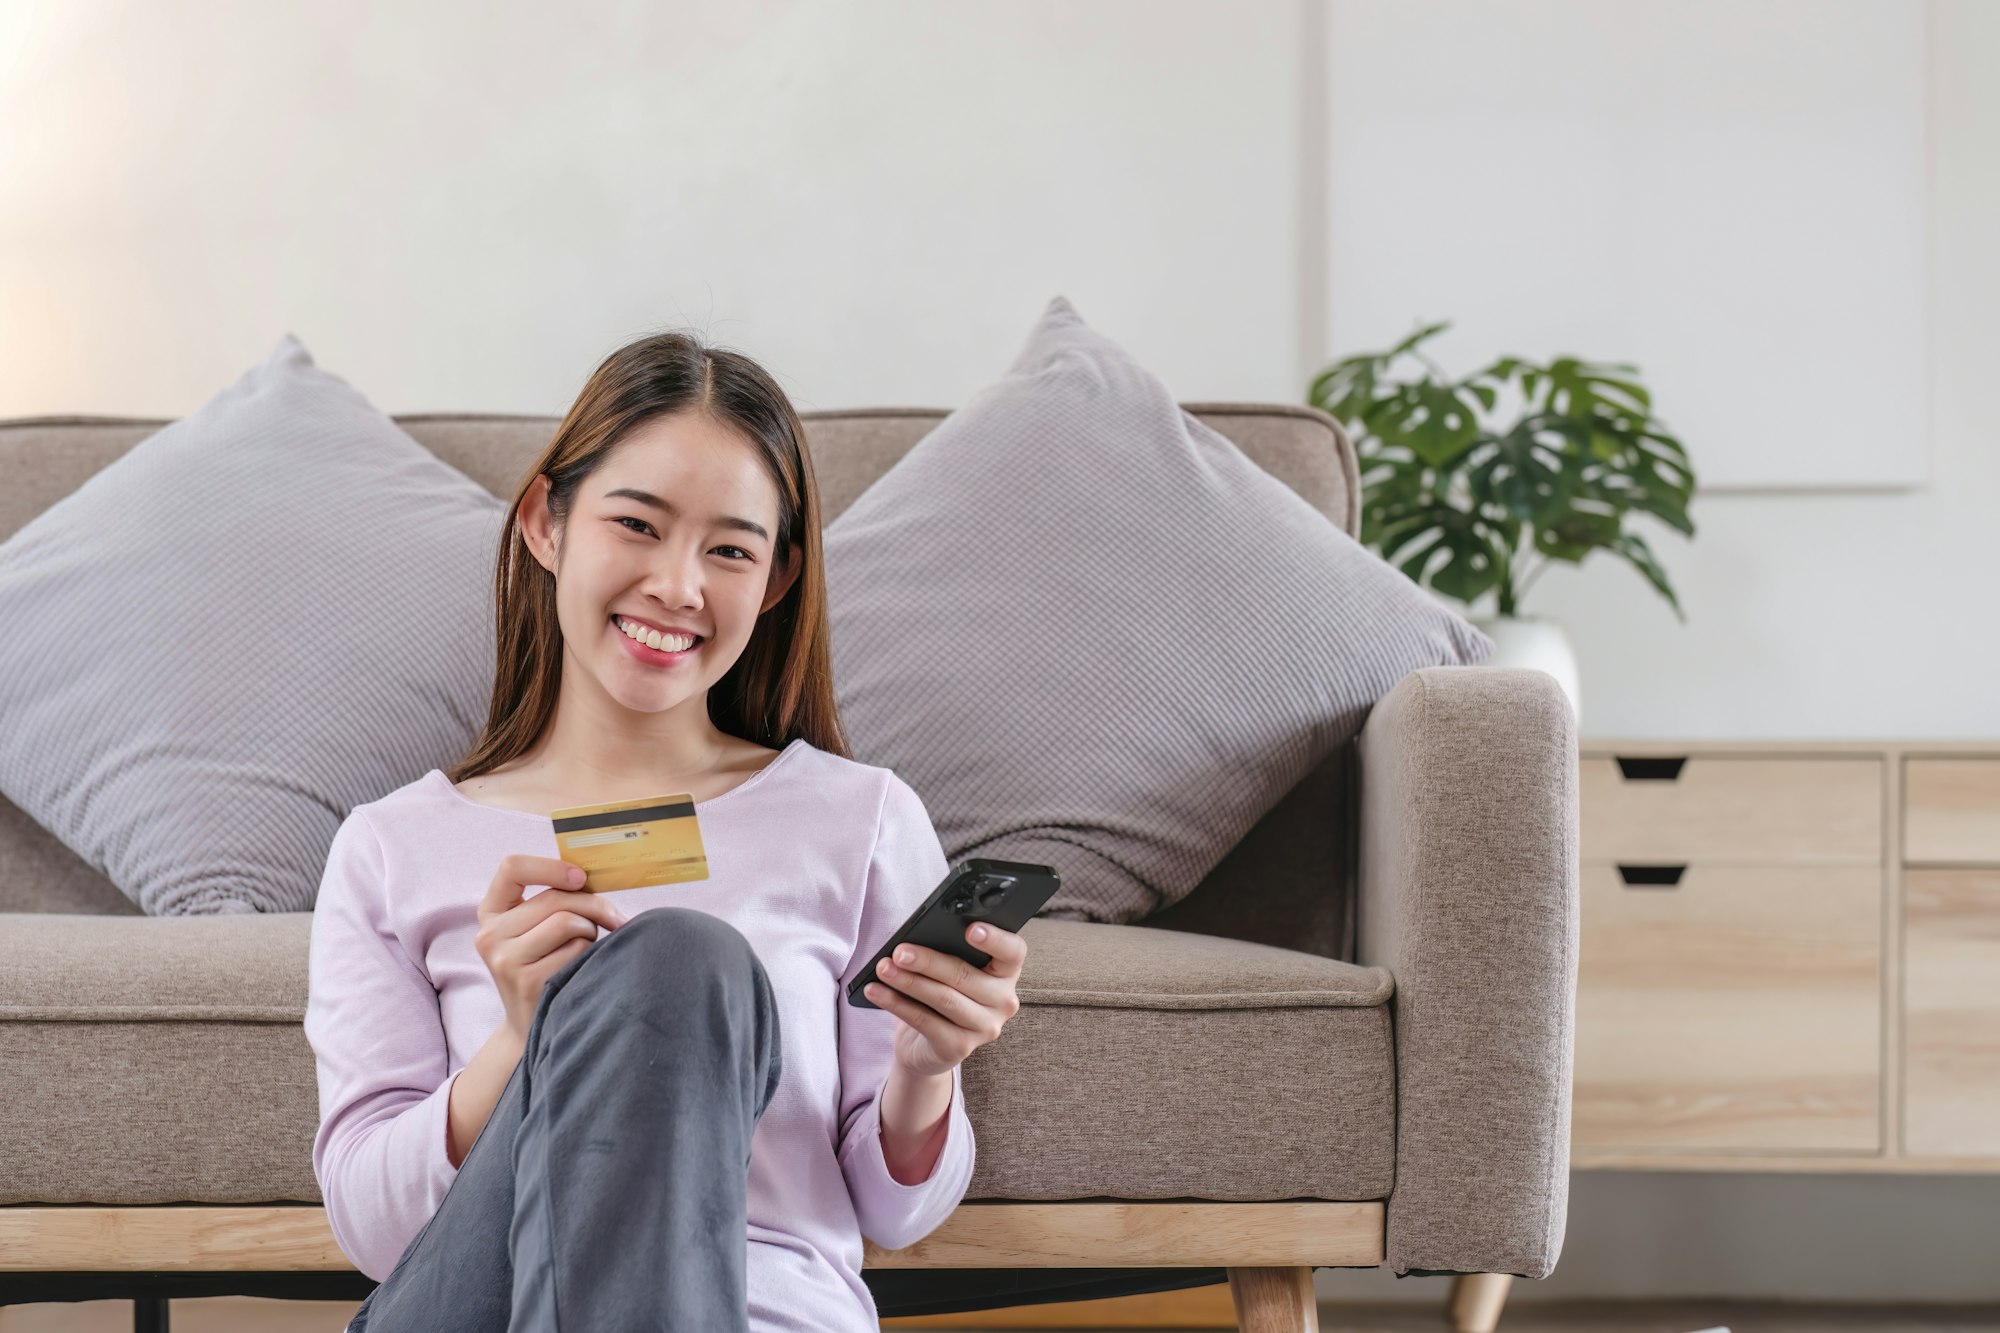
<point>1790,956</point>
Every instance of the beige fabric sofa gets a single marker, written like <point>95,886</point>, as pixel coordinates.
<point>1349,1047</point>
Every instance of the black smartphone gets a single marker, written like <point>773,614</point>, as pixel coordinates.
<point>1001,893</point>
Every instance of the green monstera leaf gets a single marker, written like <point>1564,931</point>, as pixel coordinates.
<point>1457,501</point>
<point>1462,553</point>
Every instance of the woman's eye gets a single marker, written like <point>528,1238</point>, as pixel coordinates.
<point>627,518</point>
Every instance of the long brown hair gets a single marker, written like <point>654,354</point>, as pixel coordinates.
<point>781,687</point>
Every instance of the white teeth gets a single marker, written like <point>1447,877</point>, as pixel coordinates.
<point>652,638</point>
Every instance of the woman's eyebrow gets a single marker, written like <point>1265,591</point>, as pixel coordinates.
<point>648,498</point>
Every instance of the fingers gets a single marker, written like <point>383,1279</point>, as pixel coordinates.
<point>979,999</point>
<point>547,936</point>
<point>946,1038</point>
<point>520,870</point>
<point>1007,949</point>
<point>590,905</point>
<point>958,1008</point>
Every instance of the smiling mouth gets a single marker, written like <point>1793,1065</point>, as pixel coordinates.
<point>616,623</point>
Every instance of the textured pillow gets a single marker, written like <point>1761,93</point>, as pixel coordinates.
<point>256,618</point>
<point>1092,633</point>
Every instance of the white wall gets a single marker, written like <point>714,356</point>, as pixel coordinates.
<point>460,206</point>
<point>1840,615</point>
<point>1690,185</point>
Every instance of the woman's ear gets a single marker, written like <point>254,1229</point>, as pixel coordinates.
<point>537,530</point>
<point>782,584</point>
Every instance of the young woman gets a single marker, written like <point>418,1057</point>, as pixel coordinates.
<point>544,1109</point>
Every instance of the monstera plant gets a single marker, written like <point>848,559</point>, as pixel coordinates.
<point>1469,504</point>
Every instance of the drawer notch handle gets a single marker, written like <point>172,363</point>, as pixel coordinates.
<point>1651,877</point>
<point>1651,769</point>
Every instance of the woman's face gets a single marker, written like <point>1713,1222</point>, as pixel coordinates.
<point>697,555</point>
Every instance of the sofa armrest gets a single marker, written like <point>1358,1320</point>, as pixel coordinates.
<point>1467,893</point>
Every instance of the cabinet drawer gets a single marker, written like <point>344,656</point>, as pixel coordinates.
<point>1729,809</point>
<point>1738,1010</point>
<point>1951,810</point>
<point>1951,1013</point>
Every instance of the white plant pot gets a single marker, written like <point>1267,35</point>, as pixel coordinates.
<point>1531,641</point>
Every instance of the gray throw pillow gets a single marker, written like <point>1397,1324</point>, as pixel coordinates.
<point>1092,633</point>
<point>258,617</point>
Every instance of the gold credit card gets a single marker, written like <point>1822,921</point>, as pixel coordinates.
<point>632,844</point>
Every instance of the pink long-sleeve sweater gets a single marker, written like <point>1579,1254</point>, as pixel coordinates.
<point>815,858</point>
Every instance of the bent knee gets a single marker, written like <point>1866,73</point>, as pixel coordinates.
<point>684,939</point>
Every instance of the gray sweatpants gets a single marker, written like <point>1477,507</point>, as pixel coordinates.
<point>608,1189</point>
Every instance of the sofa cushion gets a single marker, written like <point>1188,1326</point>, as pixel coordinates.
<point>1092,633</point>
<point>156,1060</point>
<point>1157,1064</point>
<point>255,619</point>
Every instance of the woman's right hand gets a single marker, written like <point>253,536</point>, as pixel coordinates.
<point>525,941</point>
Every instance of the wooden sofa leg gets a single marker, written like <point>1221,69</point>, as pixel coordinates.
<point>1476,1299</point>
<point>1274,1300</point>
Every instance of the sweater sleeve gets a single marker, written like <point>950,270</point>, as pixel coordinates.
<point>378,1040</point>
<point>906,864</point>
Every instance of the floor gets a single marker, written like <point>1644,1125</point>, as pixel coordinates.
<point>237,1314</point>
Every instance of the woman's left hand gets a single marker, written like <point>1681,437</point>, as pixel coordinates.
<point>948,1007</point>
